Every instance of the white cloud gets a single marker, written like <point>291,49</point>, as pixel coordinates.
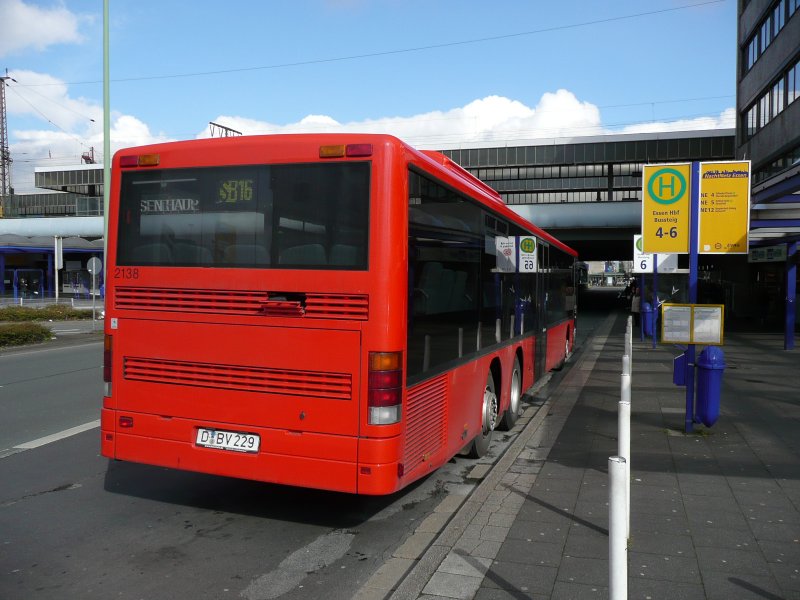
<point>127,130</point>
<point>494,118</point>
<point>47,148</point>
<point>725,120</point>
<point>46,97</point>
<point>28,26</point>
<point>70,127</point>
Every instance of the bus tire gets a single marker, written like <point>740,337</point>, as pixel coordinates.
<point>512,413</point>
<point>567,354</point>
<point>480,444</point>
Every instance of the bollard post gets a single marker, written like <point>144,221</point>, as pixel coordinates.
<point>624,444</point>
<point>626,364</point>
<point>629,344</point>
<point>617,539</point>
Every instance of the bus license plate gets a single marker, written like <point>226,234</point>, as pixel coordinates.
<point>228,440</point>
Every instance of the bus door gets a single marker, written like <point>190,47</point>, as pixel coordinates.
<point>540,355</point>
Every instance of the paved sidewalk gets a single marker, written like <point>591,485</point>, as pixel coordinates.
<point>714,514</point>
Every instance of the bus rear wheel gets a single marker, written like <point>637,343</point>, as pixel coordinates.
<point>480,445</point>
<point>515,401</point>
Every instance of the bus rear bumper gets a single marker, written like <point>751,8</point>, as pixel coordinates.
<point>313,460</point>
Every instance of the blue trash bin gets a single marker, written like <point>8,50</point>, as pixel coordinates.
<point>647,319</point>
<point>710,368</point>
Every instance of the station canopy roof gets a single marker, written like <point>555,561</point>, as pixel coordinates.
<point>10,243</point>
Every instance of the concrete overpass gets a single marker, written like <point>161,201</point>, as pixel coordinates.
<point>598,231</point>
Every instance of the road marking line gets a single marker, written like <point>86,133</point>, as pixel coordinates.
<point>49,439</point>
<point>12,350</point>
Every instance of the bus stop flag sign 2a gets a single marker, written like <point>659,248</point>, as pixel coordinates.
<point>516,254</point>
<point>666,209</point>
<point>724,207</point>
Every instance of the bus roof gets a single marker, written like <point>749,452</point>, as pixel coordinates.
<point>491,197</point>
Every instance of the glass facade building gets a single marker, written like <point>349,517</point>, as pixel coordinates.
<point>768,86</point>
<point>76,192</point>
<point>599,169</point>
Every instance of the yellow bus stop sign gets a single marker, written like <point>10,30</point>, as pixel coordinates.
<point>724,207</point>
<point>665,208</point>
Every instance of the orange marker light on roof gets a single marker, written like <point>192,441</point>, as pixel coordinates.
<point>142,160</point>
<point>149,160</point>
<point>342,150</point>
<point>336,151</point>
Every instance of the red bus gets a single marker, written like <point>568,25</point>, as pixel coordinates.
<point>333,311</point>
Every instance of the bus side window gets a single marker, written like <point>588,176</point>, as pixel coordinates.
<point>305,254</point>
<point>246,254</point>
<point>158,254</point>
<point>425,293</point>
<point>191,254</point>
<point>344,255</point>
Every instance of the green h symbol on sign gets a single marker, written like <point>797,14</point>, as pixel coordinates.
<point>662,185</point>
<point>671,186</point>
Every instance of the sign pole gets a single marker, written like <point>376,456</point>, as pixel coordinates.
<point>94,266</point>
<point>655,296</point>
<point>58,263</point>
<point>94,284</point>
<point>791,295</point>
<point>55,264</point>
<point>694,204</point>
<point>641,295</point>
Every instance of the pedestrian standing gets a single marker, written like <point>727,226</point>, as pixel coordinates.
<point>636,305</point>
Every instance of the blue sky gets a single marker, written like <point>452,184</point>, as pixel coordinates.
<point>435,73</point>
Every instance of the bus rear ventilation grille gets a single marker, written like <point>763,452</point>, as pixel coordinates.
<point>425,418</point>
<point>338,306</point>
<point>331,386</point>
<point>252,303</point>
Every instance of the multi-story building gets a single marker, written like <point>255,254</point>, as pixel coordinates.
<point>768,134</point>
<point>768,88</point>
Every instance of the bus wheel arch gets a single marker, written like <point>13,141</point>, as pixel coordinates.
<point>570,343</point>
<point>567,350</point>
<point>512,413</point>
<point>490,404</point>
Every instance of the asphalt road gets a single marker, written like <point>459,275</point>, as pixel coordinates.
<point>48,388</point>
<point>75,525</point>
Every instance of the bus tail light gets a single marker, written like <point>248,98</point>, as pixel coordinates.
<point>385,387</point>
<point>355,150</point>
<point>107,360</point>
<point>345,150</point>
<point>140,160</point>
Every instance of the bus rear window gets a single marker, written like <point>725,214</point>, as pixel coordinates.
<point>306,216</point>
